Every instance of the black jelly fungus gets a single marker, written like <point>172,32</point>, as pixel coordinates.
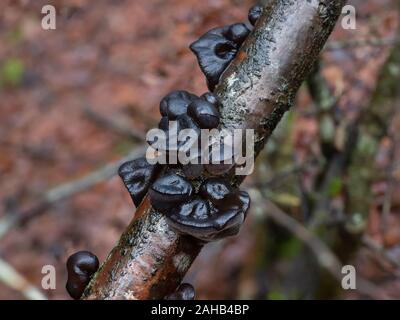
<point>255,13</point>
<point>137,176</point>
<point>238,32</point>
<point>168,191</point>
<point>217,212</point>
<point>214,52</point>
<point>204,113</point>
<point>184,292</point>
<point>164,123</point>
<point>175,104</point>
<point>216,190</point>
<point>80,267</point>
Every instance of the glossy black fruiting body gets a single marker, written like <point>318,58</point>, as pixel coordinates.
<point>237,32</point>
<point>201,113</point>
<point>217,48</point>
<point>217,212</point>
<point>175,118</point>
<point>164,123</point>
<point>168,191</point>
<point>187,122</point>
<point>138,175</point>
<point>175,104</point>
<point>184,292</point>
<point>80,267</point>
<point>255,13</point>
<point>196,210</point>
<point>171,128</point>
<point>214,52</point>
<point>204,113</point>
<point>221,160</point>
<point>216,190</point>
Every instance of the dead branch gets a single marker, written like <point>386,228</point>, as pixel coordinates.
<point>64,191</point>
<point>13,279</point>
<point>259,86</point>
<point>114,124</point>
<point>324,255</point>
<point>356,43</point>
<point>375,246</point>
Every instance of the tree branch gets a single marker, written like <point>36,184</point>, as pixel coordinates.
<point>256,90</point>
<point>114,124</point>
<point>324,255</point>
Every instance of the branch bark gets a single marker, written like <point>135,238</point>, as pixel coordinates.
<point>256,90</point>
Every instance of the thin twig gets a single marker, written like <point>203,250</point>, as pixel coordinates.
<point>114,124</point>
<point>136,112</point>
<point>377,42</point>
<point>324,255</point>
<point>64,191</point>
<point>388,197</point>
<point>373,245</point>
<point>13,279</point>
<point>281,177</point>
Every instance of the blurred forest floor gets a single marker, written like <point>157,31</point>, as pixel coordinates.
<point>115,60</point>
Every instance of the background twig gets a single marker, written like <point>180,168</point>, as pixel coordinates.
<point>64,191</point>
<point>13,279</point>
<point>324,255</point>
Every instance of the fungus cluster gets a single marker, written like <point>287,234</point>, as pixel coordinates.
<point>216,211</point>
<point>196,199</point>
<point>183,110</point>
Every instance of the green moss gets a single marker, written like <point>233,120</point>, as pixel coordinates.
<point>12,72</point>
<point>14,36</point>
<point>123,147</point>
<point>291,248</point>
<point>276,295</point>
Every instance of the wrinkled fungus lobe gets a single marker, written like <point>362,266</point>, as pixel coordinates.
<point>138,175</point>
<point>216,49</point>
<point>168,191</point>
<point>216,212</point>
